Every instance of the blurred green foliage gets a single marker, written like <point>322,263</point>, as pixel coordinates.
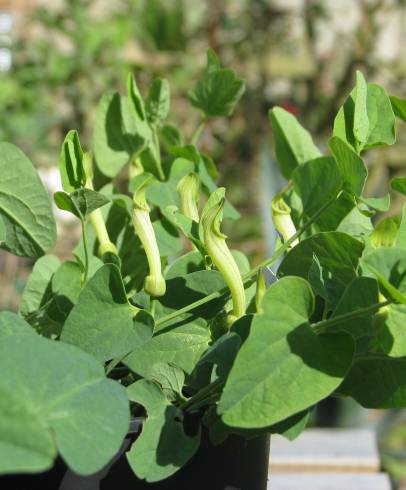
<point>294,54</point>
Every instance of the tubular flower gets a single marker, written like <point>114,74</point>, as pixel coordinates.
<point>282,219</point>
<point>216,246</point>
<point>96,216</point>
<point>154,283</point>
<point>189,190</point>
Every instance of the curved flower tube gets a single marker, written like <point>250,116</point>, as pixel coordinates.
<point>189,190</point>
<point>96,216</point>
<point>154,283</point>
<point>216,246</point>
<point>282,219</point>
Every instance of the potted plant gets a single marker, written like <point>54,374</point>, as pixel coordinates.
<point>143,365</point>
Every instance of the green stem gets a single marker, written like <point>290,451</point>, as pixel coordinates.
<point>86,271</point>
<point>252,272</point>
<point>202,394</point>
<point>197,132</point>
<point>158,153</point>
<point>152,304</point>
<point>214,397</point>
<point>324,325</point>
<point>113,363</point>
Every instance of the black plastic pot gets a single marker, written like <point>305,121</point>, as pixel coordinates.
<point>236,464</point>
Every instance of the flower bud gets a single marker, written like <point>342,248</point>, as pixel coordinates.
<point>189,190</point>
<point>282,219</point>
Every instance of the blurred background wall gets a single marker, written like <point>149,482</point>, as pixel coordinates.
<point>58,56</point>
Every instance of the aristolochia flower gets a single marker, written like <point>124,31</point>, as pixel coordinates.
<point>154,283</point>
<point>216,246</point>
<point>189,189</point>
<point>282,219</point>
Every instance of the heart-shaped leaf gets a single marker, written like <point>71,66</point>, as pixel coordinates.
<point>289,358</point>
<point>103,323</point>
<point>162,434</point>
<point>55,398</point>
<point>377,382</point>
<point>25,208</point>
<point>115,139</point>
<point>293,144</point>
<point>180,346</point>
<point>38,284</point>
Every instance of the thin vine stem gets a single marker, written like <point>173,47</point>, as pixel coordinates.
<point>194,139</point>
<point>202,394</point>
<point>86,271</point>
<point>253,272</point>
<point>324,325</point>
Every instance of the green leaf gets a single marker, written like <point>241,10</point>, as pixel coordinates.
<point>180,346</point>
<point>171,136</point>
<point>116,139</point>
<point>103,323</point>
<point>158,101</point>
<point>185,224</point>
<point>183,290</point>
<point>11,324</point>
<point>293,144</point>
<point>150,155</point>
<point>377,203</point>
<point>56,398</point>
<point>380,116</point>
<point>378,382</point>
<point>170,378</point>
<point>164,194</point>
<point>217,361</point>
<point>190,262</point>
<point>294,367</point>
<point>135,98</point>
<point>25,208</point>
<point>167,237</point>
<point>81,202</point>
<point>71,168</point>
<point>337,213</point>
<point>360,293</point>
<point>318,278</point>
<point>388,265</point>
<point>290,428</point>
<point>352,167</point>
<point>162,435</point>
<point>218,91</point>
<point>399,107</point>
<point>213,62</point>
<point>66,285</point>
<point>38,285</point>
<point>401,238</point>
<point>392,332</point>
<point>355,223</point>
<point>306,183</point>
<point>293,426</point>
<point>338,253</point>
<point>361,119</point>
<point>398,184</point>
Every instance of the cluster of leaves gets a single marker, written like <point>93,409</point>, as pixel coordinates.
<point>89,339</point>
